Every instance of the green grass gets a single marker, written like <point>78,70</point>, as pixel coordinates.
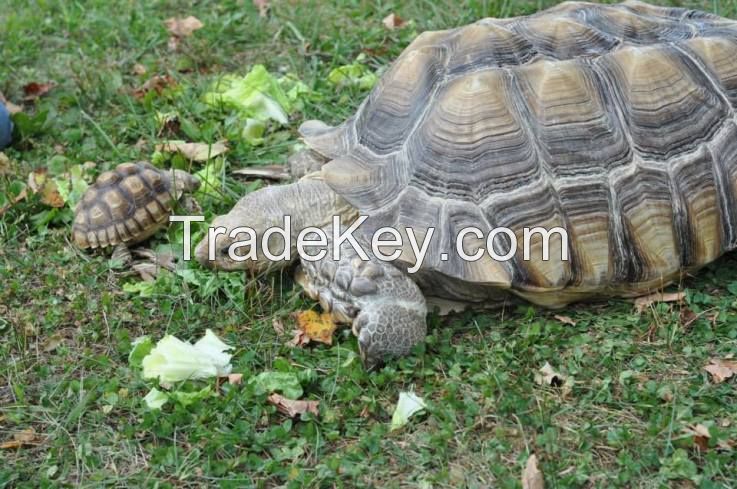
<point>66,324</point>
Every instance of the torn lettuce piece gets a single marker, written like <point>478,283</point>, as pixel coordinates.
<point>142,346</point>
<point>354,74</point>
<point>258,98</point>
<point>214,348</point>
<point>174,360</point>
<point>187,398</point>
<point>156,399</point>
<point>409,403</point>
<point>285,382</point>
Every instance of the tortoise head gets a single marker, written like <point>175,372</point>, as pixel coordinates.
<point>183,182</point>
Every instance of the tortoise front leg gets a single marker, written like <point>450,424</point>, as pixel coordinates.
<point>122,254</point>
<point>385,307</point>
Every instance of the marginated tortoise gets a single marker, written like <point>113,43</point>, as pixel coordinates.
<point>613,122</point>
<point>128,205</point>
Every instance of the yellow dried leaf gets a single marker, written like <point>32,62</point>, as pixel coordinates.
<point>317,327</point>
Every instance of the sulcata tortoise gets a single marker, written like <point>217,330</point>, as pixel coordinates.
<point>615,123</point>
<point>128,205</point>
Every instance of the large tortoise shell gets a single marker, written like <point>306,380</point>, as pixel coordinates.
<point>127,205</point>
<point>615,122</point>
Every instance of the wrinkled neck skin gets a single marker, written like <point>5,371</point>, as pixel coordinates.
<point>308,202</point>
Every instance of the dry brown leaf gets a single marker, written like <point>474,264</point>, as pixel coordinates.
<point>300,338</point>
<point>269,172</point>
<point>39,183</point>
<point>183,27</point>
<point>293,408</point>
<point>565,319</point>
<point>642,303</point>
<point>687,317</point>
<point>35,90</point>
<point>278,326</point>
<point>548,376</point>
<point>25,437</point>
<point>532,477</point>
<point>700,434</point>
<point>262,6</point>
<point>721,370</point>
<point>194,151</point>
<point>154,84</point>
<point>393,21</point>
<point>12,108</point>
<point>317,327</point>
<point>138,69</point>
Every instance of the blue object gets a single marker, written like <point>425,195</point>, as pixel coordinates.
<point>6,127</point>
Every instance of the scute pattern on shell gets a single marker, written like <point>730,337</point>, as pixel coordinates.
<point>125,205</point>
<point>615,122</point>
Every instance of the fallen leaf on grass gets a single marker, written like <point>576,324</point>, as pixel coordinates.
<point>532,477</point>
<point>278,326</point>
<point>12,108</point>
<point>156,84</point>
<point>300,338</point>
<point>183,27</point>
<point>25,437</point>
<point>40,183</point>
<point>642,303</point>
<point>317,327</point>
<point>548,376</point>
<point>565,319</point>
<point>4,164</point>
<point>269,172</point>
<point>35,90</point>
<point>262,6</point>
<point>138,69</point>
<point>409,403</point>
<point>393,21</point>
<point>194,151</point>
<point>687,317</point>
<point>293,408</point>
<point>701,436</point>
<point>721,370</point>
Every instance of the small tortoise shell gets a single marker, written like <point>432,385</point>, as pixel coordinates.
<point>127,205</point>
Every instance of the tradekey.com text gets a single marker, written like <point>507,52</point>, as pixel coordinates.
<point>312,243</point>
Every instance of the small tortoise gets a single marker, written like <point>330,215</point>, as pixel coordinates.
<point>615,123</point>
<point>128,205</point>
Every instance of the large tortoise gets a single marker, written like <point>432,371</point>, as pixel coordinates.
<point>613,122</point>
